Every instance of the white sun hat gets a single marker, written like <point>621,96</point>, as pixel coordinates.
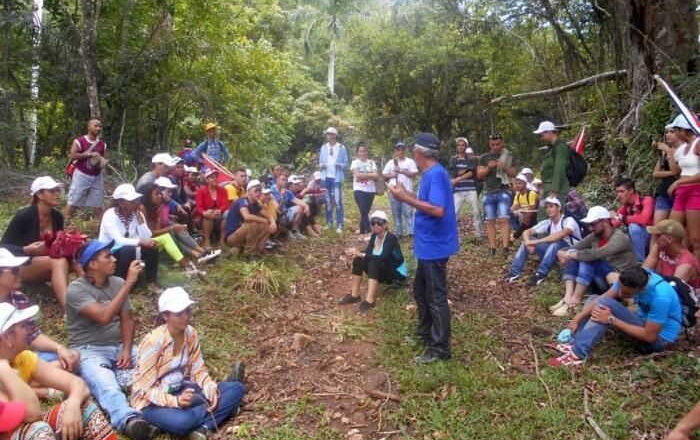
<point>380,215</point>
<point>164,182</point>
<point>545,126</point>
<point>331,130</point>
<point>8,259</point>
<point>10,315</point>
<point>596,213</point>
<point>174,299</point>
<point>126,191</point>
<point>44,182</point>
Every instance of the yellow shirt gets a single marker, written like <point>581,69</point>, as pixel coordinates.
<point>234,193</point>
<point>526,201</point>
<point>270,209</point>
<point>25,363</point>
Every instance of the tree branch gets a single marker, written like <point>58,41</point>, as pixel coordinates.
<point>605,76</point>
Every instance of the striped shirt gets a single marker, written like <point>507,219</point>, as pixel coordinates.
<point>155,360</point>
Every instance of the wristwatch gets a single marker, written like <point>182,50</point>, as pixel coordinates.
<point>611,319</point>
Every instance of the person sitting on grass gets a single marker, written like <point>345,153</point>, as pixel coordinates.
<point>247,228</point>
<point>556,232</point>
<point>77,417</point>
<point>524,208</point>
<point>211,205</point>
<point>654,326</point>
<point>30,233</point>
<point>172,386</point>
<point>165,233</point>
<point>636,212</point>
<point>382,261</point>
<point>20,410</point>
<point>126,226</point>
<point>291,208</point>
<point>48,349</point>
<point>101,327</point>
<point>600,257</point>
<point>161,165</point>
<point>668,255</point>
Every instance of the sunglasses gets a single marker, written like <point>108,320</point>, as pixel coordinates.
<point>377,223</point>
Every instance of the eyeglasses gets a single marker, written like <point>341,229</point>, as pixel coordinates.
<point>377,223</point>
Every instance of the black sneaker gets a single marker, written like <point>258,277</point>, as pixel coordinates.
<point>492,252</point>
<point>137,428</point>
<point>237,372</point>
<point>349,299</point>
<point>506,252</point>
<point>365,307</point>
<point>428,357</point>
<point>535,280</point>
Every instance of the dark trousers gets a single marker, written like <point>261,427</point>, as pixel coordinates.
<point>375,269</point>
<point>126,254</point>
<point>364,204</point>
<point>430,292</point>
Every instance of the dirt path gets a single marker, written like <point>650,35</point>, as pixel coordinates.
<point>315,357</point>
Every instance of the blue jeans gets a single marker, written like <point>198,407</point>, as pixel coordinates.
<point>497,205</point>
<point>182,421</point>
<point>334,200</point>
<point>640,240</point>
<point>547,253</point>
<point>403,217</point>
<point>589,333</point>
<point>98,370</point>
<point>584,272</point>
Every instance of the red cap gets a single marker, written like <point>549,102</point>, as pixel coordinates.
<point>11,415</point>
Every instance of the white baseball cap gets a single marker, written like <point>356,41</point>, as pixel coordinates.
<point>544,127</point>
<point>252,184</point>
<point>8,259</point>
<point>681,122</point>
<point>191,169</point>
<point>521,177</point>
<point>469,150</point>
<point>317,175</point>
<point>164,182</point>
<point>331,130</point>
<point>126,191</point>
<point>44,182</point>
<point>164,158</point>
<point>10,315</point>
<point>380,215</point>
<point>174,299</point>
<point>536,181</point>
<point>596,213</point>
<point>552,201</point>
<point>266,191</point>
<point>526,171</point>
<point>295,179</point>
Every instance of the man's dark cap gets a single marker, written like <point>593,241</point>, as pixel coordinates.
<point>427,140</point>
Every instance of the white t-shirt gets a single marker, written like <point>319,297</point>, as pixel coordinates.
<point>367,166</point>
<point>405,164</point>
<point>569,223</point>
<point>330,164</point>
<point>689,163</point>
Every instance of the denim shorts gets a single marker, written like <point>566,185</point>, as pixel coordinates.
<point>663,202</point>
<point>497,205</point>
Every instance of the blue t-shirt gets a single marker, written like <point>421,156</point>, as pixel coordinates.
<point>659,303</point>
<point>285,201</point>
<point>234,219</point>
<point>436,238</point>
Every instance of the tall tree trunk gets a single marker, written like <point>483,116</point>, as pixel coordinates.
<point>331,66</point>
<point>88,54</point>
<point>37,22</point>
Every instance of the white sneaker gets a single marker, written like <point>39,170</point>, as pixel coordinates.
<point>562,311</point>
<point>209,256</point>
<point>557,305</point>
<point>339,230</point>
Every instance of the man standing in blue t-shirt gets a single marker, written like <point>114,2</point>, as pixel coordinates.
<point>655,324</point>
<point>212,146</point>
<point>435,240</point>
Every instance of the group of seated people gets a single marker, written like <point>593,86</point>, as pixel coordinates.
<point>169,387</point>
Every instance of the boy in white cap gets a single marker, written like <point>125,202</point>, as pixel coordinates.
<point>161,164</point>
<point>556,160</point>
<point>601,255</point>
<point>524,207</point>
<point>529,177</point>
<point>332,161</point>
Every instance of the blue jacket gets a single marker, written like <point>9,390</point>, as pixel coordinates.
<point>341,161</point>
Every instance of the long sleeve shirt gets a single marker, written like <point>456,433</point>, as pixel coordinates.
<point>617,251</point>
<point>112,228</point>
<point>640,211</point>
<point>341,161</point>
<point>24,228</point>
<point>204,201</point>
<point>155,361</point>
<point>554,170</point>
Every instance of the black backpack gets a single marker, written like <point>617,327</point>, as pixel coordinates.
<point>576,169</point>
<point>689,302</point>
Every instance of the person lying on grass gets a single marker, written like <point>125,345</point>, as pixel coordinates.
<point>172,385</point>
<point>382,261</point>
<point>654,326</point>
<point>47,349</point>
<point>77,417</point>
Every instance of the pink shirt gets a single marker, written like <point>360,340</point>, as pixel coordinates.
<point>667,265</point>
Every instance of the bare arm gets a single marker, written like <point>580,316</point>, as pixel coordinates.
<point>687,425</point>
<point>248,217</point>
<point>16,389</point>
<point>653,258</point>
<point>105,313</point>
